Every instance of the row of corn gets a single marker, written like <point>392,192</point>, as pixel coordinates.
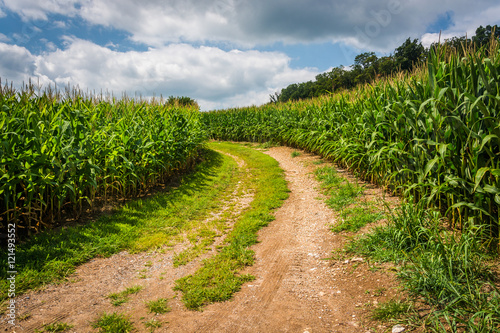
<point>62,156</point>
<point>433,134</point>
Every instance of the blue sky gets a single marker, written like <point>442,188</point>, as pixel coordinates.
<point>223,53</point>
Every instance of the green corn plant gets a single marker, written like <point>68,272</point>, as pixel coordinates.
<point>60,155</point>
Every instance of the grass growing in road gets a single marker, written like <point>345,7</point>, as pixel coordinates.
<point>354,218</point>
<point>340,191</point>
<point>55,328</point>
<point>114,323</point>
<point>343,197</point>
<point>118,299</point>
<point>153,324</point>
<point>204,235</point>
<point>138,226</point>
<point>158,306</point>
<point>392,309</point>
<point>219,276</point>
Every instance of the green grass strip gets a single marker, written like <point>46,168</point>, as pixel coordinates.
<point>114,323</point>
<point>343,197</point>
<point>341,193</point>
<point>356,217</point>
<point>121,297</point>
<point>138,226</point>
<point>218,279</point>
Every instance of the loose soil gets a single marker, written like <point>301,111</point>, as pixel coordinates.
<point>298,287</point>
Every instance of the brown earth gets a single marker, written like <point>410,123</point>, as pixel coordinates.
<point>297,287</point>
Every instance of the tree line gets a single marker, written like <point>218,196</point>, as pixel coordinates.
<point>368,67</point>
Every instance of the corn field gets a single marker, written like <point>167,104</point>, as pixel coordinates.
<point>433,134</point>
<point>63,155</point>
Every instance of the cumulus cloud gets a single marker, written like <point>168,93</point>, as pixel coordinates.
<point>16,63</point>
<point>467,25</point>
<point>39,10</point>
<point>250,23</point>
<point>214,77</point>
<point>374,24</point>
<point>60,24</point>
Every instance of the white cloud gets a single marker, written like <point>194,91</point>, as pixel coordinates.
<point>38,10</point>
<point>16,64</point>
<point>210,75</point>
<point>378,25</point>
<point>60,24</point>
<point>465,26</point>
<point>111,45</point>
<point>4,38</point>
<point>49,46</point>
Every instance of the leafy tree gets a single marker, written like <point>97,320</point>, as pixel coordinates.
<point>386,65</point>
<point>484,34</point>
<point>367,66</point>
<point>181,101</point>
<point>365,60</point>
<point>409,54</point>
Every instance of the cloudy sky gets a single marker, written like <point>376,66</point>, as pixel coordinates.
<point>223,53</point>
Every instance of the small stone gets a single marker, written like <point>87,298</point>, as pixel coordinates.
<point>398,329</point>
<point>346,262</point>
<point>357,259</point>
<point>321,293</point>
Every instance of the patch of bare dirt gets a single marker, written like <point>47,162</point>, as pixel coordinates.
<point>297,288</point>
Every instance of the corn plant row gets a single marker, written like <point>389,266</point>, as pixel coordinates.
<point>433,134</point>
<point>64,155</point>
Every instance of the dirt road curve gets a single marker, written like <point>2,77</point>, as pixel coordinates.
<point>295,290</point>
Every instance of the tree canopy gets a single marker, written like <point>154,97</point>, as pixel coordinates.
<point>367,66</point>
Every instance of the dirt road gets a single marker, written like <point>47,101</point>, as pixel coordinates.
<point>295,290</point>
